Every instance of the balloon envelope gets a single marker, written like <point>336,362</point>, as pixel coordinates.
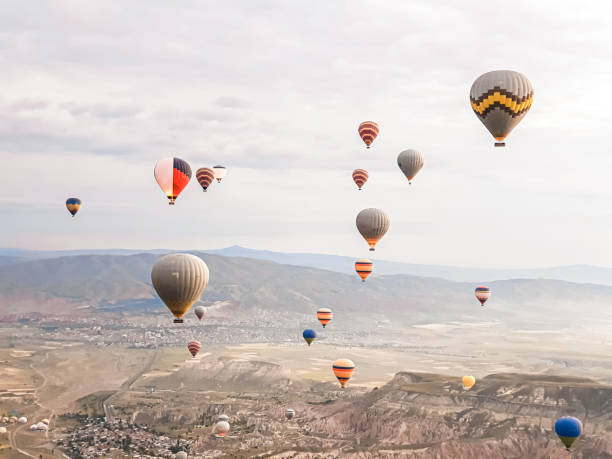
<point>172,175</point>
<point>289,413</point>
<point>73,205</point>
<point>360,176</point>
<point>410,163</point>
<point>220,172</point>
<point>199,312</point>
<point>468,382</point>
<point>222,428</point>
<point>309,335</point>
<point>368,131</point>
<point>568,429</point>
<point>343,369</point>
<point>501,99</point>
<point>179,279</point>
<point>364,268</point>
<point>324,315</point>
<point>205,177</point>
<point>223,417</point>
<point>372,224</point>
<point>194,347</point>
<point>482,294</point>
<point>181,455</point>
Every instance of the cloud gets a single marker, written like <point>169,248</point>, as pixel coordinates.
<point>231,102</point>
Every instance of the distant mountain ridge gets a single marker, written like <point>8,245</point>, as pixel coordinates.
<point>342,264</point>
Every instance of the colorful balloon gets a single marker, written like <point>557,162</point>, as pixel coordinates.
<point>179,279</point>
<point>368,130</point>
<point>73,205</point>
<point>222,428</point>
<point>199,312</point>
<point>289,413</point>
<point>482,294</point>
<point>309,335</point>
<point>360,176</point>
<point>372,224</point>
<point>410,163</point>
<point>172,175</point>
<point>569,430</point>
<point>205,177</point>
<point>364,268</point>
<point>324,315</point>
<point>501,99</point>
<point>343,369</point>
<point>194,347</point>
<point>468,382</point>
<point>220,172</point>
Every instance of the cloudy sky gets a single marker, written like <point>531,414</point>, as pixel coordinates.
<point>94,93</point>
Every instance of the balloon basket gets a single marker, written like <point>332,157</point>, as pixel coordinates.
<point>500,144</point>
<point>177,321</point>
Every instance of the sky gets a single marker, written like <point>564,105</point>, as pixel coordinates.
<point>96,92</point>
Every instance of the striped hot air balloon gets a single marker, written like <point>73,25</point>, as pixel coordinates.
<point>205,177</point>
<point>343,369</point>
<point>372,224</point>
<point>73,205</point>
<point>194,347</point>
<point>220,172</point>
<point>309,336</point>
<point>364,268</point>
<point>482,294</point>
<point>468,382</point>
<point>172,175</point>
<point>360,176</point>
<point>569,430</point>
<point>368,130</point>
<point>324,315</point>
<point>501,99</point>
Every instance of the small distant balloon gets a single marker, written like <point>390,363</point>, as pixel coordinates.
<point>569,430</point>
<point>220,172</point>
<point>222,428</point>
<point>360,176</point>
<point>309,336</point>
<point>194,348</point>
<point>482,294</point>
<point>410,163</point>
<point>324,315</point>
<point>172,175</point>
<point>289,413</point>
<point>468,382</point>
<point>199,312</point>
<point>368,131</point>
<point>343,370</point>
<point>364,267</point>
<point>223,417</point>
<point>205,177</point>
<point>73,205</point>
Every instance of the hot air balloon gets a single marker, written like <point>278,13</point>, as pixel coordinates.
<point>181,455</point>
<point>179,279</point>
<point>364,268</point>
<point>223,417</point>
<point>289,413</point>
<point>199,312</point>
<point>194,347</point>
<point>309,335</point>
<point>172,175</point>
<point>482,294</point>
<point>220,172</point>
<point>468,382</point>
<point>73,205</point>
<point>343,369</point>
<point>222,428</point>
<point>410,163</point>
<point>205,176</point>
<point>372,224</point>
<point>324,315</point>
<point>368,130</point>
<point>500,100</point>
<point>569,430</point>
<point>360,176</point>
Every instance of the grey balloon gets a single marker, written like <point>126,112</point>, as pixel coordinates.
<point>181,455</point>
<point>223,417</point>
<point>410,163</point>
<point>222,427</point>
<point>289,413</point>
<point>179,279</point>
<point>372,224</point>
<point>501,116</point>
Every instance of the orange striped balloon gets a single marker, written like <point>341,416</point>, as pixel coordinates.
<point>368,130</point>
<point>364,268</point>
<point>360,176</point>
<point>324,315</point>
<point>343,369</point>
<point>194,347</point>
<point>205,176</point>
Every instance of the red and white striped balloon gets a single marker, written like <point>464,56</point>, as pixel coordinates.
<point>194,347</point>
<point>360,176</point>
<point>368,130</point>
